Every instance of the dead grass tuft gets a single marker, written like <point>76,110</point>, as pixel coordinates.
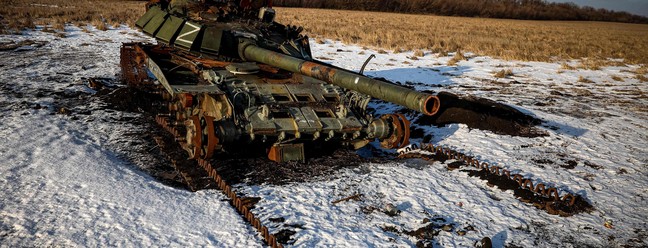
<point>100,25</point>
<point>585,80</point>
<point>591,64</point>
<point>642,78</point>
<point>503,73</point>
<point>565,66</point>
<point>617,78</point>
<point>457,57</point>
<point>60,26</point>
<point>419,53</point>
<point>17,25</point>
<point>642,70</point>
<point>460,56</point>
<point>84,28</point>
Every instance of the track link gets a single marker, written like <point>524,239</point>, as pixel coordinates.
<point>194,177</point>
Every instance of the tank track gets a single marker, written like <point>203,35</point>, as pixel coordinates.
<point>550,199</point>
<point>241,204</point>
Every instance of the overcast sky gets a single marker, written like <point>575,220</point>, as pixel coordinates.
<point>639,7</point>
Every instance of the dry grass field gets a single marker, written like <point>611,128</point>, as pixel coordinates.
<point>507,39</point>
<point>18,14</point>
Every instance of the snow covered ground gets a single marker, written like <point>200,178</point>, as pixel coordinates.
<point>63,184</point>
<point>64,181</point>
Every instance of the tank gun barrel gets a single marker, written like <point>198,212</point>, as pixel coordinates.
<point>423,102</point>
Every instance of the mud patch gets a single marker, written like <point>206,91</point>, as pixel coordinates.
<point>593,165</point>
<point>244,167</point>
<point>570,164</point>
<point>284,236</point>
<point>21,45</point>
<point>565,210</point>
<point>483,114</point>
<point>502,182</point>
<point>455,165</point>
<point>128,99</point>
<point>432,227</point>
<point>425,235</point>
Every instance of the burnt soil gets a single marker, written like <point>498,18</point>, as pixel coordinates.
<point>250,165</point>
<point>484,114</point>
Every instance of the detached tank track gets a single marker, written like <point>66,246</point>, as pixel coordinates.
<point>240,204</point>
<point>541,196</point>
<point>195,178</point>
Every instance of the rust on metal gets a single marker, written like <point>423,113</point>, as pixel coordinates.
<point>540,189</point>
<point>132,59</point>
<point>194,63</point>
<point>405,125</point>
<point>212,139</point>
<point>401,133</point>
<point>318,71</point>
<point>554,192</point>
<point>274,154</point>
<point>528,184</point>
<point>268,68</point>
<point>186,100</point>
<point>196,138</point>
<point>432,105</point>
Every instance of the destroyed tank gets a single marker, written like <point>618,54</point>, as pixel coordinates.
<point>233,78</point>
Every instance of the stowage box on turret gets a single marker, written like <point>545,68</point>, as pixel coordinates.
<point>233,77</point>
